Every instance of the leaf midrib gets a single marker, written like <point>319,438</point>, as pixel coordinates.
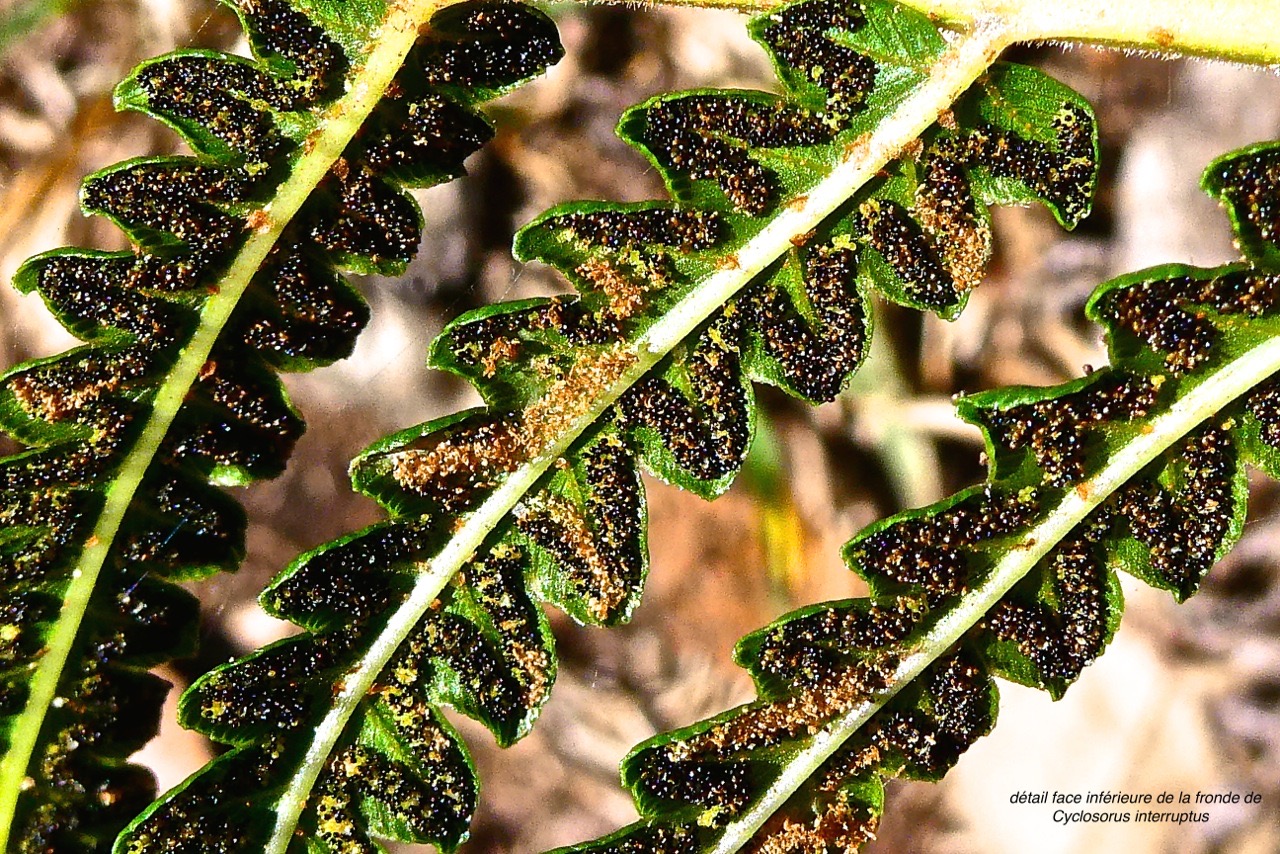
<point>1202,402</point>
<point>952,74</point>
<point>365,85</point>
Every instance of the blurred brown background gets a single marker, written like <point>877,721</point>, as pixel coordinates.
<point>1186,698</point>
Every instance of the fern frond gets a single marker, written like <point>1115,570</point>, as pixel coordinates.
<point>786,211</point>
<point>301,154</point>
<point>1139,466</point>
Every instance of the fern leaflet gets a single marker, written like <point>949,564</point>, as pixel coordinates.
<point>299,160</point>
<point>1140,466</point>
<point>786,210</point>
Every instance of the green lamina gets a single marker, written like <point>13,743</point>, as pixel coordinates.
<point>651,364</point>
<point>1139,466</point>
<point>234,276</point>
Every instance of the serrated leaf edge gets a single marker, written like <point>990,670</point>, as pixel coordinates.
<point>334,132</point>
<point>963,62</point>
<point>1199,404</point>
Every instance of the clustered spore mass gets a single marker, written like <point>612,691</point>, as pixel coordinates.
<point>359,218</point>
<point>1057,431</point>
<point>567,365</point>
<point>1168,329</point>
<point>81,413</point>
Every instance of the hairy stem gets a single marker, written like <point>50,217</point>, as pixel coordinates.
<point>1202,402</point>
<point>1240,30</point>
<point>1243,30</point>
<point>955,71</point>
<point>339,125</point>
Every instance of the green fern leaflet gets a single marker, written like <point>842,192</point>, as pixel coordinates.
<point>298,170</point>
<point>1138,467</point>
<point>757,270</point>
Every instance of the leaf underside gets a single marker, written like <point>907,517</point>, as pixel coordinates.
<point>575,537</point>
<point>1170,331</point>
<point>82,415</point>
